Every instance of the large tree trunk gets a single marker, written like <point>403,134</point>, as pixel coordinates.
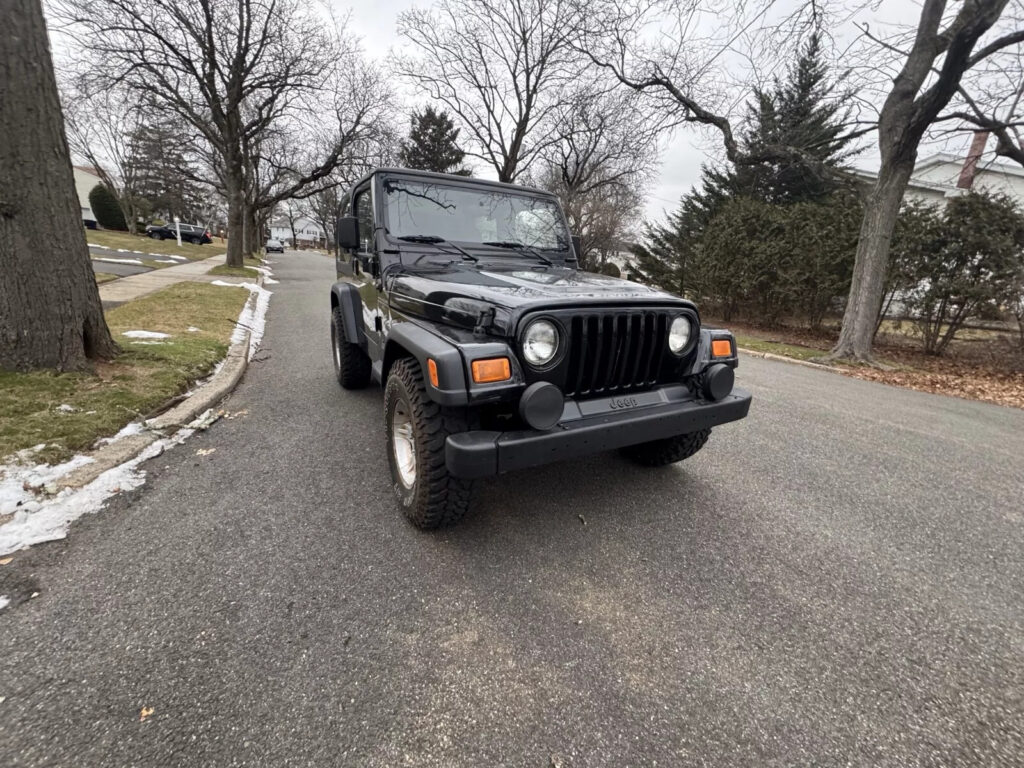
<point>50,312</point>
<point>236,216</point>
<point>871,264</point>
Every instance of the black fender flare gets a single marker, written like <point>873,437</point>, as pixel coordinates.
<point>409,339</point>
<point>346,296</point>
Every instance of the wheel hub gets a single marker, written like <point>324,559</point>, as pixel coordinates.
<point>403,445</point>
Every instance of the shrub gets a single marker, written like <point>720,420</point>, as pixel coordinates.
<point>610,268</point>
<point>954,263</point>
<point>106,209</point>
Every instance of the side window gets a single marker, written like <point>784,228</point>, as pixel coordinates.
<point>364,212</point>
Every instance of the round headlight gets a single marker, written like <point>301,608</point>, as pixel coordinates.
<point>678,335</point>
<point>540,343</point>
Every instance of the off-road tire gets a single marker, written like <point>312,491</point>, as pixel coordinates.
<point>436,498</point>
<point>351,364</point>
<point>658,453</point>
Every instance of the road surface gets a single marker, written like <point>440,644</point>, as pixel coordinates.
<point>836,580</point>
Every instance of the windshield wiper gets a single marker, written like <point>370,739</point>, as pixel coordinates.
<point>435,240</point>
<point>522,248</point>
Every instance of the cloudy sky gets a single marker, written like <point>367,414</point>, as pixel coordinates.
<point>686,149</point>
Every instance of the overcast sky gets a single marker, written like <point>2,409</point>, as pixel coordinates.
<point>685,150</point>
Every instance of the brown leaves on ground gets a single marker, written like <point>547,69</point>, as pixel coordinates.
<point>980,366</point>
<point>951,377</point>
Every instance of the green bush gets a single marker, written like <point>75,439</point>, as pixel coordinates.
<point>106,209</point>
<point>955,262</point>
<point>610,268</point>
<point>769,262</point>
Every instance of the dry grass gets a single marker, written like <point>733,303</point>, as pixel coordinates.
<point>141,380</point>
<point>225,271</point>
<point>104,277</point>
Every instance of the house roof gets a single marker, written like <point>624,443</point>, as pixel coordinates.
<point>991,164</point>
<point>87,169</point>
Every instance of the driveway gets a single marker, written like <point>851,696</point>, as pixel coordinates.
<point>836,580</point>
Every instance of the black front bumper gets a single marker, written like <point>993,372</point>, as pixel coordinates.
<point>590,427</point>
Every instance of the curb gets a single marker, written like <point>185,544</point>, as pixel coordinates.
<point>216,388</point>
<point>793,360</point>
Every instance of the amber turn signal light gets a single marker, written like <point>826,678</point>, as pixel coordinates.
<point>721,348</point>
<point>491,369</point>
<point>432,371</point>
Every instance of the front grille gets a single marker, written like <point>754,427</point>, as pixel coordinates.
<point>615,351</point>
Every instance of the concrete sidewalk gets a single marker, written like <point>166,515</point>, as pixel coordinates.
<point>134,286</point>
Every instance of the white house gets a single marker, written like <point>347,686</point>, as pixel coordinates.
<point>935,178</point>
<point>85,179</point>
<point>308,233</point>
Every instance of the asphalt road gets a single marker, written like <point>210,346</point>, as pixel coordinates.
<point>837,580</point>
<point>115,267</point>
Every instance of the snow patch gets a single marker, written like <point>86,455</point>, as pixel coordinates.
<point>17,480</point>
<point>226,284</point>
<point>65,408</point>
<point>193,329</point>
<point>135,428</point>
<point>118,261</point>
<point>4,601</point>
<point>36,521</point>
<point>145,335</point>
<point>253,318</point>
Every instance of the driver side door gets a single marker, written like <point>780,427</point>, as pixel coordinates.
<point>366,269</point>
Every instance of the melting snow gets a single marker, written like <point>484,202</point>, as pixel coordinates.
<point>65,408</point>
<point>192,329</point>
<point>135,428</point>
<point>48,519</point>
<point>118,261</point>
<point>15,479</point>
<point>4,601</point>
<point>145,335</point>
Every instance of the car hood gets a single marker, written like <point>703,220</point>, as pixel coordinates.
<point>459,293</point>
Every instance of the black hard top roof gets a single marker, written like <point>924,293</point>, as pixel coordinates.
<point>450,177</point>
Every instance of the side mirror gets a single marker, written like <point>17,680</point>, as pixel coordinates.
<point>347,233</point>
<point>577,246</point>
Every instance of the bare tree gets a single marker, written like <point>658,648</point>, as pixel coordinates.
<point>50,312</point>
<point>230,69</point>
<point>678,72</point>
<point>499,66</point>
<point>101,129</point>
<point>604,156</point>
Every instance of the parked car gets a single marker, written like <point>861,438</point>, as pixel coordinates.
<point>463,299</point>
<point>275,246</point>
<point>190,233</point>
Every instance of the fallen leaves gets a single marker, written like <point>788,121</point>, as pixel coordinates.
<point>205,451</point>
<point>5,560</point>
<point>144,713</point>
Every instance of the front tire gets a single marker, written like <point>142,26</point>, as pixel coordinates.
<point>351,364</point>
<point>659,453</point>
<point>416,430</point>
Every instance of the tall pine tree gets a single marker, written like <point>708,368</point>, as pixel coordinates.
<point>433,144</point>
<point>805,113</point>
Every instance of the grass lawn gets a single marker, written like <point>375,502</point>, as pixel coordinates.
<point>139,381</point>
<point>226,271</point>
<point>778,348</point>
<point>147,245</point>
<point>103,277</point>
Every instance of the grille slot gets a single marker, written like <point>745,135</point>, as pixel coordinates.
<point>615,351</point>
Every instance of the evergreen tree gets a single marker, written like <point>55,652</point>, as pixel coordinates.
<point>106,209</point>
<point>433,144</point>
<point>165,173</point>
<point>804,113</point>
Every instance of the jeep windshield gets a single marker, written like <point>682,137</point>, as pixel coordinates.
<point>473,215</point>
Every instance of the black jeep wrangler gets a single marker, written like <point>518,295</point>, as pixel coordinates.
<point>464,299</point>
